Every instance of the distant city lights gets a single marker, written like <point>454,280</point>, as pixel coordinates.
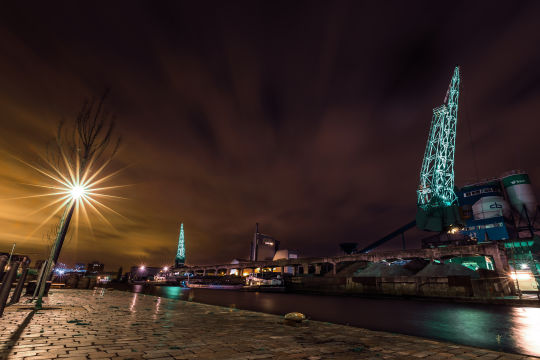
<point>63,269</point>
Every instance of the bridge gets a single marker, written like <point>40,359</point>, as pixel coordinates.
<point>327,265</point>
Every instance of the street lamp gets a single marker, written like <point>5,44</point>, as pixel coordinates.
<point>75,193</point>
<point>76,184</point>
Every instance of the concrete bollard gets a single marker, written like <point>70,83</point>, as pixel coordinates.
<point>6,285</point>
<point>3,262</point>
<point>18,289</point>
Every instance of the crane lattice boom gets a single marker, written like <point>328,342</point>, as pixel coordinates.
<point>181,252</point>
<point>437,175</point>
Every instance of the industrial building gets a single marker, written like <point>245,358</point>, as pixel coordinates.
<point>95,267</point>
<point>263,247</point>
<point>502,209</point>
<point>489,226</point>
<point>499,209</point>
<point>286,254</point>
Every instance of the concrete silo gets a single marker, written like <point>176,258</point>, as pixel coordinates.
<point>517,186</point>
<point>483,209</point>
<point>490,206</point>
<point>520,195</point>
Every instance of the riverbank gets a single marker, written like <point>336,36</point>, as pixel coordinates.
<point>527,299</point>
<point>91,324</point>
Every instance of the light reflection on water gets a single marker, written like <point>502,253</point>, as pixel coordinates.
<point>133,302</point>
<point>173,292</point>
<point>527,329</point>
<point>156,312</point>
<point>512,329</point>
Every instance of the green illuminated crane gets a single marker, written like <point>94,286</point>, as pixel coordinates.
<point>181,252</point>
<point>436,197</point>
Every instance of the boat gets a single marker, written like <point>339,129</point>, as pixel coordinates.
<point>255,281</point>
<point>167,282</point>
<point>215,286</point>
<point>264,288</point>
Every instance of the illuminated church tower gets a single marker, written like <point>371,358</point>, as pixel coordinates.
<point>181,252</point>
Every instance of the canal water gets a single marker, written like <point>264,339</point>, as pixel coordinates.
<point>504,328</point>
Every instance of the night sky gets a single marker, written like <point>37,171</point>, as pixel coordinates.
<point>310,118</point>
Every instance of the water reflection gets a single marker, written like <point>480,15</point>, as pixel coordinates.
<point>133,302</point>
<point>156,312</point>
<point>512,329</point>
<point>526,329</point>
<point>173,292</point>
<point>471,325</point>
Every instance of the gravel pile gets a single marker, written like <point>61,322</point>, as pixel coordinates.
<point>443,270</point>
<point>383,270</point>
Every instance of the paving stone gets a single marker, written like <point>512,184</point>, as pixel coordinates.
<point>87,324</point>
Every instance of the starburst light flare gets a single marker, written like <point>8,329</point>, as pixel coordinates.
<point>77,191</point>
<point>68,185</point>
<point>75,166</point>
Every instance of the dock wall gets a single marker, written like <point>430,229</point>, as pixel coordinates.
<point>447,287</point>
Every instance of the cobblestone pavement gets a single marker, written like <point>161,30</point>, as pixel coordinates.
<point>94,324</point>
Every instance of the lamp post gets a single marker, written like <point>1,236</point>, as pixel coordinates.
<point>76,192</point>
<point>79,147</point>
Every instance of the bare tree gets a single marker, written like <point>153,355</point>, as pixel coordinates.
<point>87,140</point>
<point>79,145</point>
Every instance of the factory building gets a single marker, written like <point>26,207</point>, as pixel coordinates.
<point>95,267</point>
<point>503,209</point>
<point>286,254</point>
<point>263,247</point>
<point>483,210</point>
<point>499,209</point>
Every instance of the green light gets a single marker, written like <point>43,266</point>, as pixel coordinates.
<point>181,252</point>
<point>437,175</point>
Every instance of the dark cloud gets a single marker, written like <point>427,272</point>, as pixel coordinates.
<point>308,117</point>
